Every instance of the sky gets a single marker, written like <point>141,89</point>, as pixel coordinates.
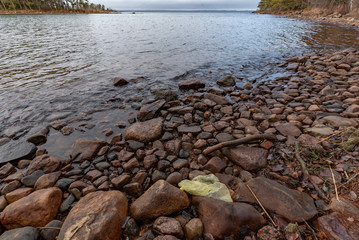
<point>178,4</point>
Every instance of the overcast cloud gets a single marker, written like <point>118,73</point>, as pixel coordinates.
<point>177,4</point>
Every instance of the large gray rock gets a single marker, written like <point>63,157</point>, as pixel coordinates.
<point>148,111</point>
<point>164,92</point>
<point>294,205</point>
<point>25,233</point>
<point>249,158</point>
<point>16,150</point>
<point>227,81</point>
<point>145,131</point>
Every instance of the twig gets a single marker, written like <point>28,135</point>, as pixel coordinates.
<point>311,229</point>
<point>260,204</point>
<point>306,173</point>
<point>335,185</point>
<point>349,180</point>
<point>238,141</point>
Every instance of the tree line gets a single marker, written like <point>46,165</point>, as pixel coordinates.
<point>64,5</point>
<point>287,5</point>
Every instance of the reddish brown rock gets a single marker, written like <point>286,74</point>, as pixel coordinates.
<point>191,84</point>
<point>45,163</point>
<point>85,149</point>
<point>294,205</point>
<point>36,209</point>
<point>288,129</point>
<point>47,180</point>
<point>344,207</point>
<point>170,226</point>
<point>6,170</point>
<point>269,233</point>
<point>160,199</point>
<point>251,159</point>
<point>215,165</point>
<point>148,111</point>
<point>18,194</point>
<point>337,227</point>
<point>222,219</point>
<point>145,131</point>
<point>194,229</point>
<point>97,216</point>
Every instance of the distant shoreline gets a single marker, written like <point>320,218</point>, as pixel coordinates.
<point>37,11</point>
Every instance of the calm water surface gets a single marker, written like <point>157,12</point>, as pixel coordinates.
<point>61,66</point>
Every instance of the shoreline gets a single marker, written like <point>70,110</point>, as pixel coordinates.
<point>316,15</point>
<point>308,112</point>
<point>43,12</point>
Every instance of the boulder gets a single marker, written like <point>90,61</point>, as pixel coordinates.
<point>85,149</point>
<point>145,131</point>
<point>160,199</point>
<point>294,205</point>
<point>45,163</point>
<point>191,84</point>
<point>18,194</point>
<point>148,111</point>
<point>25,233</point>
<point>97,216</point>
<point>288,129</point>
<point>165,92</point>
<point>250,158</point>
<point>223,219</point>
<point>227,81</point>
<point>337,227</point>
<point>36,209</point>
<point>16,150</point>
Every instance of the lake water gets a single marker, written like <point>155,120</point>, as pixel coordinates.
<point>62,66</point>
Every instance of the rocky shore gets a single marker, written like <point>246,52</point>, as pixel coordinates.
<point>285,150</point>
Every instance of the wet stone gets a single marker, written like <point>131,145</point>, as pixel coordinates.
<point>51,232</point>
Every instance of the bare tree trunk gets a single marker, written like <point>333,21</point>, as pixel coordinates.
<point>2,2</point>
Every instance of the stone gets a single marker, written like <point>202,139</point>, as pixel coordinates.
<point>133,189</point>
<point>145,132</point>
<point>119,82</point>
<point>191,84</point>
<point>47,180</point>
<point>149,111</point>
<point>17,194</point>
<point>337,227</point>
<point>215,165</point>
<point>189,129</point>
<point>269,233</point>
<point>250,158</point>
<point>174,178</point>
<point>93,175</point>
<point>6,170</point>
<point>120,181</point>
<point>294,205</point>
<point>38,135</point>
<point>165,237</point>
<point>337,121</point>
<point>223,219</point>
<point>67,203</point>
<point>85,149</point>
<point>3,203</point>
<point>224,137</point>
<point>64,183</point>
<point>36,209</point>
<point>181,110</point>
<point>31,179</point>
<point>160,199</point>
<point>217,99</point>
<point>194,229</point>
<point>50,232</point>
<point>164,91</point>
<point>227,81</point>
<point>170,226</point>
<point>345,208</point>
<point>320,131</point>
<point>288,129</point>
<point>10,187</point>
<point>16,150</point>
<point>45,162</point>
<point>180,163</point>
<point>25,233</point>
<point>90,220</point>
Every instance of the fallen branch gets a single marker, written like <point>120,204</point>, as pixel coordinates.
<point>260,204</point>
<point>306,173</point>
<point>238,141</point>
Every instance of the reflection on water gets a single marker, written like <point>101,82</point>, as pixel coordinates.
<point>61,66</point>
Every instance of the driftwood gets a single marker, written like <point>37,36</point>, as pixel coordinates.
<point>306,173</point>
<point>238,141</point>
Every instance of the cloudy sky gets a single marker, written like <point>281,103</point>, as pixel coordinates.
<point>178,4</point>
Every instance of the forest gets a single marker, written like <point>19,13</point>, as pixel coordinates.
<point>288,5</point>
<point>50,5</point>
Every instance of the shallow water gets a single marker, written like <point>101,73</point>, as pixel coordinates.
<point>61,66</point>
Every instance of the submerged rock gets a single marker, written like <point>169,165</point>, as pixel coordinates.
<point>85,149</point>
<point>191,84</point>
<point>148,111</point>
<point>16,150</point>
